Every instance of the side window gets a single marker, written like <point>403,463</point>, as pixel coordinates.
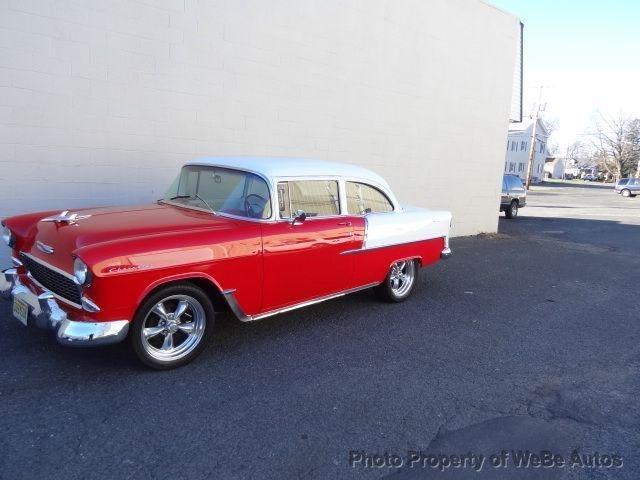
<point>624,181</point>
<point>362,198</point>
<point>317,198</point>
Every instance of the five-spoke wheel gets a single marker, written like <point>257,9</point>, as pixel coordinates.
<point>399,282</point>
<point>170,327</point>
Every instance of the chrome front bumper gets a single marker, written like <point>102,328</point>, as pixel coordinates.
<point>45,312</point>
<point>446,253</point>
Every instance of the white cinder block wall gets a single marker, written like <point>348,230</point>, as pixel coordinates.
<point>102,101</point>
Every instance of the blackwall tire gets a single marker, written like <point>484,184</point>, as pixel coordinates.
<point>172,326</point>
<point>512,210</point>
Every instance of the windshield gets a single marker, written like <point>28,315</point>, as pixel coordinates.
<point>222,190</point>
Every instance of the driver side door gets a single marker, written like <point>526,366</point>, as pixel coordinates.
<point>304,260</point>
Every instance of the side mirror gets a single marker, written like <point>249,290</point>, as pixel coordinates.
<point>299,216</point>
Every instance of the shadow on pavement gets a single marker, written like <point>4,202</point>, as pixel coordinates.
<point>611,235</point>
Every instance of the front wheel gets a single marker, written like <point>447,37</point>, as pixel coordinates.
<point>512,210</point>
<point>399,282</point>
<point>171,327</point>
<point>626,193</point>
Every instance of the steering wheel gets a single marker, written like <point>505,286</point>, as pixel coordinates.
<point>254,209</point>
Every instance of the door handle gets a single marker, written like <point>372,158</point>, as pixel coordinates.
<point>345,224</point>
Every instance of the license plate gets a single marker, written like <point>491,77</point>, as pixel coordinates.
<point>20,310</point>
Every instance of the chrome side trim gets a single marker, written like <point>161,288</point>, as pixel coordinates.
<point>235,308</point>
<point>361,250</point>
<point>48,265</point>
<point>446,253</point>
<point>16,262</point>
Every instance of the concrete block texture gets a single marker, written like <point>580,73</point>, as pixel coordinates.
<point>101,102</point>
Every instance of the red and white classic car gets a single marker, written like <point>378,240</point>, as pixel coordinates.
<point>252,236</point>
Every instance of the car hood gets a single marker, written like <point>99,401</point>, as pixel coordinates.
<point>100,225</point>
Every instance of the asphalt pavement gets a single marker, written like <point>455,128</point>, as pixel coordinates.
<point>527,339</point>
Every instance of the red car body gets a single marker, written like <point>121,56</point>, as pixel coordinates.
<point>256,268</point>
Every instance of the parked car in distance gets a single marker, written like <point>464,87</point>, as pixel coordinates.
<point>253,236</point>
<point>514,196</point>
<point>590,177</point>
<point>628,187</point>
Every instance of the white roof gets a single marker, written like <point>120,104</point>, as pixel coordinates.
<point>278,167</point>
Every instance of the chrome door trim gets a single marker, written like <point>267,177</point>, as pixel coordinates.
<point>235,308</point>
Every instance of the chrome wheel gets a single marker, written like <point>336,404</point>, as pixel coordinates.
<point>401,277</point>
<point>173,328</point>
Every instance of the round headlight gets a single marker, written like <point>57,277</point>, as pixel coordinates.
<point>7,236</point>
<point>81,272</point>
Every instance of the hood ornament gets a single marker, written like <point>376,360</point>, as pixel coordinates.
<point>65,217</point>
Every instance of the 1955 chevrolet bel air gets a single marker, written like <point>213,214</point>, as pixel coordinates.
<point>252,236</point>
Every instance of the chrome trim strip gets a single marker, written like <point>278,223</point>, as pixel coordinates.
<point>16,262</point>
<point>43,247</point>
<point>235,308</point>
<point>446,253</point>
<point>361,250</point>
<point>55,295</point>
<point>45,264</point>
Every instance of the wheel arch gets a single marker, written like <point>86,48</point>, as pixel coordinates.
<point>204,282</point>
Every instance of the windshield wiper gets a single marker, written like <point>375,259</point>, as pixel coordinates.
<point>205,202</point>
<point>195,195</point>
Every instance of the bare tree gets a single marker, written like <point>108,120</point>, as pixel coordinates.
<point>580,153</point>
<point>616,144</point>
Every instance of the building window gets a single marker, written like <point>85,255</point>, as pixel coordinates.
<point>523,145</point>
<point>521,167</point>
<point>512,167</point>
<point>505,166</point>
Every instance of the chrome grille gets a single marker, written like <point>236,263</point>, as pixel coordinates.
<point>52,280</point>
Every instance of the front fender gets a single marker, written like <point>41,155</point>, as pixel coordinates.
<point>126,270</point>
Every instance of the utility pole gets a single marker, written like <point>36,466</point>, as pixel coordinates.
<point>532,147</point>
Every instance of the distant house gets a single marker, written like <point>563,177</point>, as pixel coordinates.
<point>554,167</point>
<point>517,156</point>
<point>571,169</point>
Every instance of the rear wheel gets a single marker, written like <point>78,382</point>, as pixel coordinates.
<point>626,193</point>
<point>399,282</point>
<point>172,325</point>
<point>512,210</point>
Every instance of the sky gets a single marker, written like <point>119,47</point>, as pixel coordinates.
<point>585,54</point>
